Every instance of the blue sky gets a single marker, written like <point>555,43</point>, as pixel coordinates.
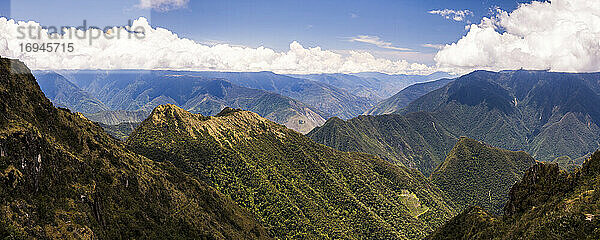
<point>275,24</point>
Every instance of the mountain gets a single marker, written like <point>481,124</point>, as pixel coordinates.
<point>62,177</point>
<point>66,94</point>
<point>476,174</point>
<point>547,203</point>
<point>551,116</point>
<point>296,187</point>
<point>547,114</point>
<point>131,95</point>
<point>116,117</point>
<point>331,100</point>
<point>415,140</point>
<point>120,131</point>
<point>373,86</point>
<point>406,96</point>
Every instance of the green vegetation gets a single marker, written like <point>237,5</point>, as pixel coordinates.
<point>120,131</point>
<point>298,189</point>
<point>62,177</point>
<point>476,174</point>
<point>547,114</point>
<point>415,140</point>
<point>548,203</point>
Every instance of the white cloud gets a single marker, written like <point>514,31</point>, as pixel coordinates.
<point>162,49</point>
<point>377,42</point>
<point>435,46</point>
<point>561,35</point>
<point>456,15</point>
<point>162,5</point>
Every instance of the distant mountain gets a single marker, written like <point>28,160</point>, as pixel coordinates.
<point>116,117</point>
<point>548,114</point>
<point>546,204</point>
<point>415,140</point>
<point>332,100</point>
<point>131,96</point>
<point>374,86</point>
<point>62,177</point>
<point>476,174</point>
<point>296,187</point>
<point>66,94</point>
<point>406,96</point>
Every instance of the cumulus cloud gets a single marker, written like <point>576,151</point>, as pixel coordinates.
<point>456,15</point>
<point>162,5</point>
<point>161,49</point>
<point>374,40</point>
<point>561,35</point>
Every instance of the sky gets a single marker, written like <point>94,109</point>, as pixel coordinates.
<point>393,36</point>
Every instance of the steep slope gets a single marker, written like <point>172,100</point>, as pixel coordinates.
<point>120,131</point>
<point>333,101</point>
<point>62,177</point>
<point>414,140</point>
<point>66,94</point>
<point>298,188</point>
<point>141,91</point>
<point>406,96</point>
<point>549,115</point>
<point>476,174</point>
<point>552,116</point>
<point>547,203</point>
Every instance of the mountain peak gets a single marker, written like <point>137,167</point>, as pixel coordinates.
<point>230,125</point>
<point>227,111</point>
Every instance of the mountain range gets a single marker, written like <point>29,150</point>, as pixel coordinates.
<point>195,168</point>
<point>331,100</point>
<point>551,116</point>
<point>131,96</point>
<point>371,85</point>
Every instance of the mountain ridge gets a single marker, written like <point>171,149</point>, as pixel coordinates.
<point>285,178</point>
<point>63,177</point>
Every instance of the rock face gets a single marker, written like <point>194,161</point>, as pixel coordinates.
<point>476,174</point>
<point>296,187</point>
<point>547,203</point>
<point>62,177</point>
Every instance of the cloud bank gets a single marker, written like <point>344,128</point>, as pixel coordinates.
<point>162,49</point>
<point>456,15</point>
<point>562,35</point>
